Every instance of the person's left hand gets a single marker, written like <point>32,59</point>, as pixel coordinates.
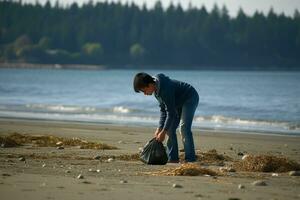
<point>161,136</point>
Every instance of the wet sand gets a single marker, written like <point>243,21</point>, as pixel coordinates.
<point>51,173</point>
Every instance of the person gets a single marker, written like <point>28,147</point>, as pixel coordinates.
<point>178,102</point>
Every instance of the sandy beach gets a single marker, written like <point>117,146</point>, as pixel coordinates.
<point>33,172</point>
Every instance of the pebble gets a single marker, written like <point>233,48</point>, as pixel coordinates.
<point>86,182</point>
<point>245,156</point>
<point>97,157</point>
<point>294,173</point>
<point>241,186</point>
<point>176,185</point>
<point>233,198</point>
<point>44,165</point>
<point>59,143</point>
<point>92,170</point>
<point>68,171</point>
<point>98,170</point>
<point>140,149</point>
<point>274,174</point>
<point>80,176</point>
<point>60,147</point>
<point>110,160</point>
<point>259,183</point>
<point>123,181</point>
<point>22,159</point>
<point>120,142</point>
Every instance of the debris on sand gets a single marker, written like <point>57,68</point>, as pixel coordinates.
<point>186,169</point>
<point>6,142</point>
<point>259,183</point>
<point>80,176</point>
<point>175,185</point>
<point>266,163</point>
<point>17,139</point>
<point>211,157</point>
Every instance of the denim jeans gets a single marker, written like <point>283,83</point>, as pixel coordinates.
<point>185,119</point>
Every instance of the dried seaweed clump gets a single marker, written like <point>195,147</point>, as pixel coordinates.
<point>6,142</point>
<point>52,141</point>
<point>129,157</point>
<point>266,163</point>
<point>186,169</point>
<point>212,157</point>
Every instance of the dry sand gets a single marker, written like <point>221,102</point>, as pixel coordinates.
<point>51,173</point>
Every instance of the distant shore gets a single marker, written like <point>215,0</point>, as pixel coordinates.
<point>51,66</point>
<point>16,65</point>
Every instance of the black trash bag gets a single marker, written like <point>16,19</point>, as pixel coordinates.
<point>154,153</point>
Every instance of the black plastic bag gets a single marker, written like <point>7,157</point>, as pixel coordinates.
<point>154,153</point>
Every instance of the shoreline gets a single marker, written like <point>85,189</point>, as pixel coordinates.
<point>133,125</point>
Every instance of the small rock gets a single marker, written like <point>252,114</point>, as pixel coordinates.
<point>123,181</point>
<point>59,143</point>
<point>245,157</point>
<point>22,159</point>
<point>44,165</point>
<point>86,182</point>
<point>233,198</point>
<point>241,186</point>
<point>240,154</point>
<point>67,171</point>
<point>140,149</point>
<point>274,174</point>
<point>98,170</point>
<point>92,170</point>
<point>294,173</point>
<point>60,147</point>
<point>81,147</point>
<point>120,142</point>
<point>176,185</point>
<point>97,157</point>
<point>80,176</point>
<point>259,183</point>
<point>110,160</point>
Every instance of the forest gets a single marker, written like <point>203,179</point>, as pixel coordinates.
<point>129,36</point>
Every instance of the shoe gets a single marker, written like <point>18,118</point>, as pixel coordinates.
<point>173,161</point>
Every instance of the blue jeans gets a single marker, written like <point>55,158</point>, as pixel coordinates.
<point>186,115</point>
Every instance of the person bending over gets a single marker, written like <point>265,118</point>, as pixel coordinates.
<point>178,102</point>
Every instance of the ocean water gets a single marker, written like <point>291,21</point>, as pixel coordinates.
<point>266,102</point>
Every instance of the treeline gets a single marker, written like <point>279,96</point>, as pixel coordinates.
<point>114,34</point>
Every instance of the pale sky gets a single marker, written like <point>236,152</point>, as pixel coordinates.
<point>249,6</point>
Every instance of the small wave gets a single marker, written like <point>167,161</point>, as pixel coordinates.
<point>121,109</point>
<point>220,120</point>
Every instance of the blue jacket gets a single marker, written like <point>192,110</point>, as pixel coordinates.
<point>171,95</point>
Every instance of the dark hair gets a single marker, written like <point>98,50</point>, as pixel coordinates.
<point>142,80</point>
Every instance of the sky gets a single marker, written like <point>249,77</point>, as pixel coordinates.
<point>249,6</point>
